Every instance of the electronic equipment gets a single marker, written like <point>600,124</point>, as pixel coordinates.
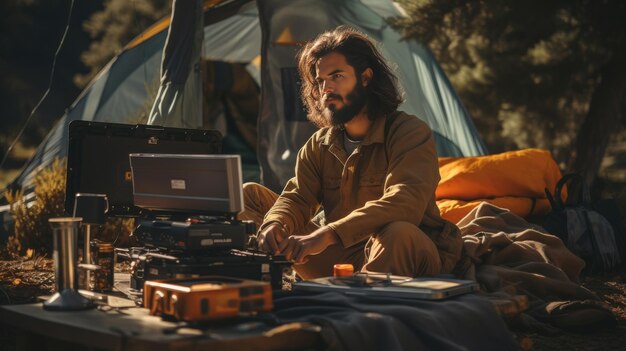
<point>206,298</point>
<point>199,195</point>
<point>158,263</point>
<point>381,285</point>
<point>185,197</point>
<point>181,183</point>
<point>201,185</point>
<point>212,235</point>
<point>97,158</point>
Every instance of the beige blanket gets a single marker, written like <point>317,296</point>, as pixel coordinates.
<point>512,256</point>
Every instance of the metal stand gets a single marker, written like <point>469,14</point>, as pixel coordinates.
<point>87,256</point>
<point>67,296</point>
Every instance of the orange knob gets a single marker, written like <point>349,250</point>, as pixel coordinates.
<point>343,270</point>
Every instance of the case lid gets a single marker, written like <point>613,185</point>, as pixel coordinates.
<point>98,160</point>
<point>192,184</point>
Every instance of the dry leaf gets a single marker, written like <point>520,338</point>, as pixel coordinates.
<point>17,281</point>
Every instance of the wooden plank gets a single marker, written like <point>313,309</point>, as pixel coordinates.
<point>135,329</point>
<point>294,336</point>
<point>106,330</point>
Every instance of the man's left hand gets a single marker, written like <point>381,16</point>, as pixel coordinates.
<point>297,248</point>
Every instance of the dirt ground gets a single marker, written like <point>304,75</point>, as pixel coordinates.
<point>611,288</point>
<point>22,280</point>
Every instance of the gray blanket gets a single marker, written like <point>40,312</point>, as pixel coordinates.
<point>467,322</point>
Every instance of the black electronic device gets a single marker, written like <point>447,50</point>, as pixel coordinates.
<point>98,160</point>
<point>157,264</point>
<point>208,235</point>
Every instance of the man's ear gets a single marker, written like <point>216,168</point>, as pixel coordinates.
<point>366,76</point>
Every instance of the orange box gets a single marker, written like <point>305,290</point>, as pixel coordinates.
<point>206,298</point>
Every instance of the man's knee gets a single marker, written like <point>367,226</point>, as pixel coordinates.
<point>404,249</point>
<point>405,234</point>
<point>250,188</point>
<point>257,194</point>
<point>257,201</point>
<point>251,193</point>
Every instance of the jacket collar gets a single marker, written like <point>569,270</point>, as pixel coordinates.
<point>376,134</point>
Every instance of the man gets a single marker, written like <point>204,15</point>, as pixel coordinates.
<point>372,170</point>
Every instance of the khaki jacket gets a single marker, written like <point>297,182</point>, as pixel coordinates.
<point>362,192</point>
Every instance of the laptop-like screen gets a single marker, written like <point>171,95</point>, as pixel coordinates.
<point>191,184</point>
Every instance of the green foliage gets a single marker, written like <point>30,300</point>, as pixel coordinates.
<point>526,70</point>
<point>115,26</point>
<point>32,230</point>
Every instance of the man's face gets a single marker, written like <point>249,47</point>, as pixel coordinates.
<point>343,96</point>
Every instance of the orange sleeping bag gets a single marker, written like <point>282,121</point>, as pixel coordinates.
<point>514,180</point>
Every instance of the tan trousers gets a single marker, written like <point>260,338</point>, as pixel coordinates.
<point>399,248</point>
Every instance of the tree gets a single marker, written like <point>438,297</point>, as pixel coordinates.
<point>531,72</point>
<point>113,27</point>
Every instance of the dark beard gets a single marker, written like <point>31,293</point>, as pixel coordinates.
<point>355,101</point>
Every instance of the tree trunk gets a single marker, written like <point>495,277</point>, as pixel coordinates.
<point>603,119</point>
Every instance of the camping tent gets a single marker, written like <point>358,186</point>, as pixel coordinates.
<point>263,36</point>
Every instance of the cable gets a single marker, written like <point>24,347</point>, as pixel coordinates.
<point>120,221</point>
<point>7,296</point>
<point>32,113</point>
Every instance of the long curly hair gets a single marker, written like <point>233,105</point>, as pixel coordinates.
<point>383,94</point>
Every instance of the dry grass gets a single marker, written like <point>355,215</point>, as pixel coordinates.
<point>23,279</point>
<point>32,230</point>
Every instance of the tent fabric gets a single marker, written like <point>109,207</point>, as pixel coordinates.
<point>236,38</point>
<point>514,180</point>
<point>179,100</point>
<point>263,35</point>
<point>118,94</point>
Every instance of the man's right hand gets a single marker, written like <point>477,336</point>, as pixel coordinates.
<point>270,238</point>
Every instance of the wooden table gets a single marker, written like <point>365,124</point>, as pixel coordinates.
<point>134,329</point>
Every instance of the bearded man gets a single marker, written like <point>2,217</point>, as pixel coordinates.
<point>364,185</point>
